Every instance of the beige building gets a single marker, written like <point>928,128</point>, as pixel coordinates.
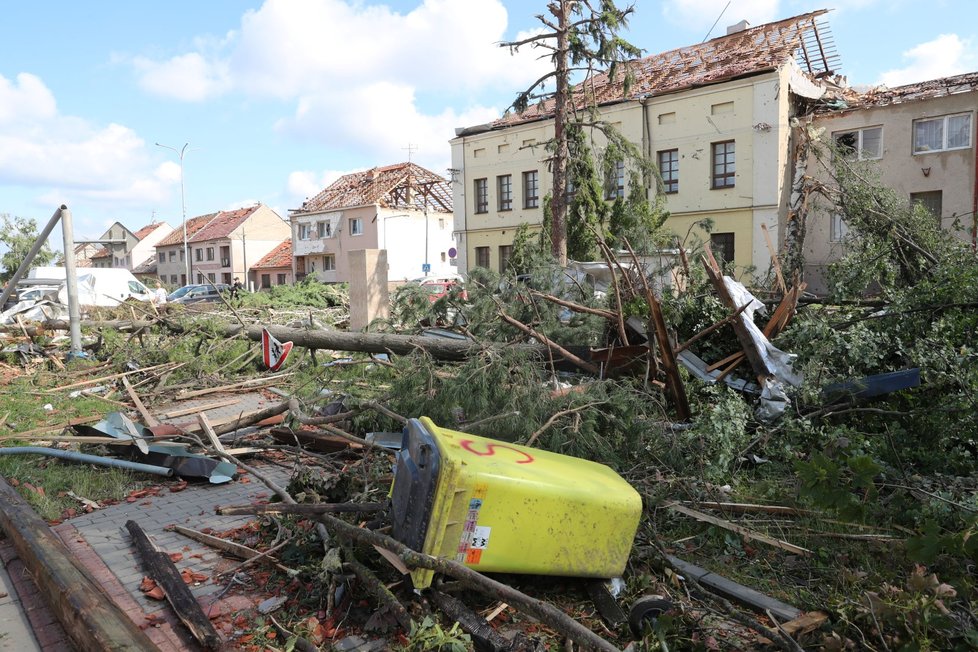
<point>222,245</point>
<point>715,117</point>
<point>922,139</point>
<point>128,249</point>
<point>403,208</point>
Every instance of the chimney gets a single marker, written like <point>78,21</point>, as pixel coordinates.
<point>737,27</point>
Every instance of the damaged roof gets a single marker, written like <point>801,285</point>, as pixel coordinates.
<point>403,185</point>
<point>753,50</point>
<point>194,224</point>
<point>223,224</point>
<point>146,230</point>
<point>280,256</point>
<point>927,90</point>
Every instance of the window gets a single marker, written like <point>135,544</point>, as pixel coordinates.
<point>181,255</point>
<point>329,263</point>
<point>162,278</point>
<point>531,189</point>
<point>183,279</point>
<point>210,253</point>
<point>280,279</point>
<point>356,226</point>
<point>481,195</point>
<point>173,279</point>
<point>266,281</point>
<point>162,258</point>
<point>226,278</point>
<point>323,229</point>
<point>200,278</point>
<point>505,253</point>
<point>838,228</point>
<point>571,190</point>
<point>482,257</point>
<point>614,186</point>
<point>211,277</point>
<point>724,166</point>
<point>938,134</point>
<point>722,245</point>
<point>504,185</point>
<point>933,201</point>
<point>225,256</point>
<point>860,144</point>
<point>303,231</point>
<point>669,170</point>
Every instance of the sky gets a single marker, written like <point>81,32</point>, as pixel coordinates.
<point>278,98</point>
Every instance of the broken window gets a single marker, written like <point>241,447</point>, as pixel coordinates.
<point>482,257</point>
<point>531,189</point>
<point>724,164</point>
<point>669,170</point>
<point>323,229</point>
<point>860,144</point>
<point>504,186</point>
<point>356,226</point>
<point>481,195</point>
<point>722,245</point>
<point>943,133</point>
<point>933,201</point>
<point>303,231</point>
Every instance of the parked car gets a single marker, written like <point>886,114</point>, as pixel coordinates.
<point>438,289</point>
<point>181,291</point>
<point>203,293</point>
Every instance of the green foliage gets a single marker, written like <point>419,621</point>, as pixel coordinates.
<point>306,293</point>
<point>844,485</point>
<point>18,234</point>
<point>429,636</point>
<point>719,433</point>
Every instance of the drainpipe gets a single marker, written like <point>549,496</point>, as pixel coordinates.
<point>88,459</point>
<point>974,207</point>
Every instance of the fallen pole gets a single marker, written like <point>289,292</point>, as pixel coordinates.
<point>89,617</point>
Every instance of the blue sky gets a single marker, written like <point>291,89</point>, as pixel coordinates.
<point>278,98</point>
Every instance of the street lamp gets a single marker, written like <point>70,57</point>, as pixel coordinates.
<point>183,205</point>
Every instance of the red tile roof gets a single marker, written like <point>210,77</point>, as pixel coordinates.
<point>280,256</point>
<point>102,252</point>
<point>224,223</point>
<point>404,185</point>
<point>747,52</point>
<point>146,230</point>
<point>194,224</point>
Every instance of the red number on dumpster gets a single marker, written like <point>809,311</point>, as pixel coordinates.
<point>468,445</point>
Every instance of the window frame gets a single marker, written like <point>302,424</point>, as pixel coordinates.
<point>719,181</point>
<point>504,192</point>
<point>356,226</point>
<point>479,251</point>
<point>329,263</point>
<point>715,241</point>
<point>944,132</point>
<point>505,254</point>
<point>858,151</point>
<point>670,183</point>
<point>531,189</point>
<point>837,227</point>
<point>210,254</point>
<point>922,198</point>
<point>614,184</point>
<point>481,192</point>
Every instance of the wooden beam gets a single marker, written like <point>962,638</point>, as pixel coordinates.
<point>733,527</point>
<point>159,567</point>
<point>90,618</point>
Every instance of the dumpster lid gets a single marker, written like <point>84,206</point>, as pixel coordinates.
<point>415,483</point>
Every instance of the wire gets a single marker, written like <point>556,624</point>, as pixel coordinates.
<point>716,21</point>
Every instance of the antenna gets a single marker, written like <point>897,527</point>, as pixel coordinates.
<point>410,150</point>
<point>716,21</point>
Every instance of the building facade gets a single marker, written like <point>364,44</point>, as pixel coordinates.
<point>403,208</point>
<point>714,117</point>
<point>920,138</point>
<point>275,268</point>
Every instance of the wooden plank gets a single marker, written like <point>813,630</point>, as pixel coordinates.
<point>159,567</point>
<point>95,381</point>
<point>805,623</point>
<point>205,426</point>
<point>172,414</point>
<point>733,527</point>
<point>734,591</point>
<point>230,547</point>
<point>90,618</point>
<point>148,418</point>
<point>744,508</point>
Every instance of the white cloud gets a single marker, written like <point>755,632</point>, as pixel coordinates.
<point>946,55</point>
<point>700,14</point>
<point>28,98</point>
<point>66,158</point>
<point>188,77</point>
<point>360,76</point>
<point>305,184</point>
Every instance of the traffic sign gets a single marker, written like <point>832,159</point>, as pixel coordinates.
<point>426,267</point>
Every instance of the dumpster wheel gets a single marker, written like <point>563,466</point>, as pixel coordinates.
<point>645,611</point>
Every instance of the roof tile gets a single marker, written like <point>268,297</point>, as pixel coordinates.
<point>194,224</point>
<point>280,256</point>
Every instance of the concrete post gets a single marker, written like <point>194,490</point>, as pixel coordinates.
<point>71,284</point>
<point>369,299</point>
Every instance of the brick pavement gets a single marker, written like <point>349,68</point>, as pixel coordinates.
<point>100,541</point>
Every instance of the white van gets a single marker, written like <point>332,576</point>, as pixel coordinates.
<point>97,286</point>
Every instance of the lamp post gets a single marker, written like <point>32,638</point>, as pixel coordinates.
<point>183,205</point>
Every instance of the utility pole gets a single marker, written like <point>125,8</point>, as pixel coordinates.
<point>183,205</point>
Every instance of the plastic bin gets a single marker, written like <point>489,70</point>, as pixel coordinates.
<point>501,507</point>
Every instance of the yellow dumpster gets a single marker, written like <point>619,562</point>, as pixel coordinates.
<point>500,507</point>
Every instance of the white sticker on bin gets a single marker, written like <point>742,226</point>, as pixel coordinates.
<point>480,537</point>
